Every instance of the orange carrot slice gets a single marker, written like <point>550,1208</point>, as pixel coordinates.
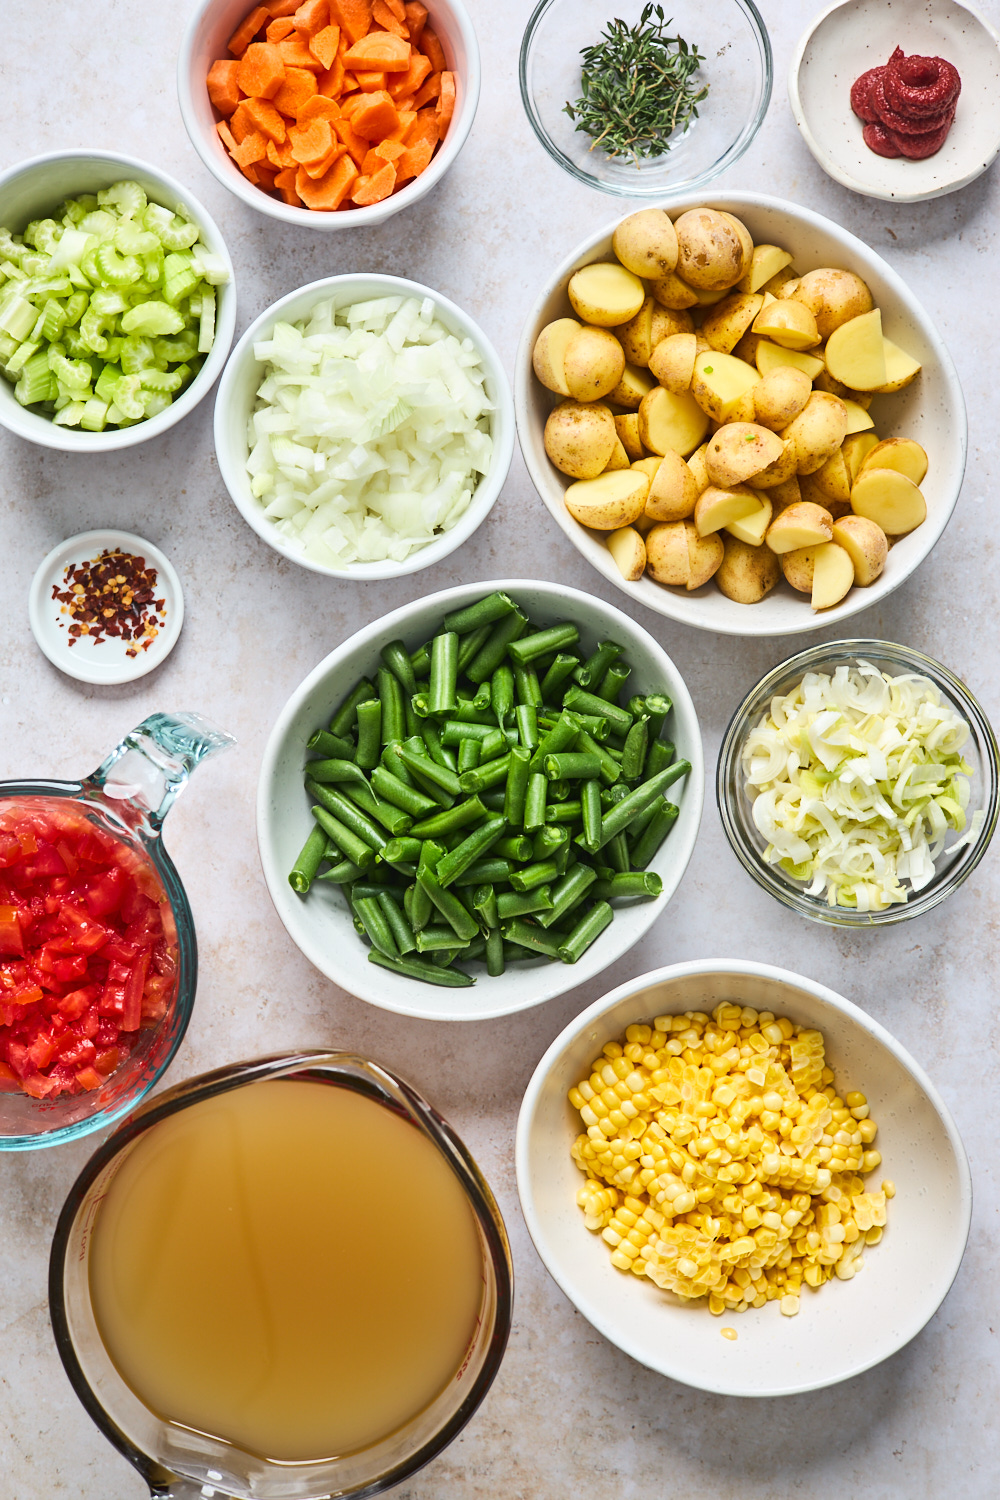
<point>323,45</point>
<point>383,16</point>
<point>416,20</point>
<point>446,103</point>
<point>252,148</point>
<point>376,117</point>
<point>321,108</point>
<point>406,119</point>
<point>312,16</point>
<point>247,30</point>
<point>330,190</point>
<point>280,155</point>
<point>265,175</point>
<point>402,84</point>
<point>424,128</point>
<point>319,169</point>
<point>226,136</point>
<point>276,8</point>
<point>415,159</point>
<point>285,183</point>
<point>279,29</point>
<point>377,156</point>
<point>295,52</point>
<point>430,90</point>
<point>223,87</point>
<point>431,47</point>
<point>298,88</point>
<point>380,50</point>
<point>240,122</point>
<point>266,119</point>
<point>398,9</point>
<point>331,83</point>
<point>310,142</point>
<point>373,189</point>
<point>261,71</point>
<point>352,16</point>
<point>357,148</point>
<point>371,82</point>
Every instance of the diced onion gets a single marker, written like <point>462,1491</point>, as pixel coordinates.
<point>856,779</point>
<point>371,430</point>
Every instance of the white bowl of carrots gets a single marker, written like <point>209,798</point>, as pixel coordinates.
<point>329,113</point>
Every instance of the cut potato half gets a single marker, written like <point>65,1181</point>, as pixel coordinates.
<point>593,364</point>
<point>766,262</point>
<point>858,419</point>
<point>855,352</point>
<point>833,576</point>
<point>898,453</point>
<point>900,368</point>
<point>673,491</point>
<point>610,501</point>
<point>635,383</point>
<point>672,361</point>
<point>855,448</point>
<point>866,545</point>
<point>605,294</point>
<point>629,552</point>
<point>716,508</point>
<point>729,320</point>
<point>801,525</point>
<point>889,499</point>
<point>719,383</point>
<point>646,243</point>
<point>770,356</point>
<point>667,557</point>
<point>739,450</point>
<point>673,421</point>
<point>627,428</point>
<point>787,323</point>
<point>751,529</point>
<point>549,355</point>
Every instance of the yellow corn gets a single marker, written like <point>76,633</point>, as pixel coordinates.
<point>722,1163</point>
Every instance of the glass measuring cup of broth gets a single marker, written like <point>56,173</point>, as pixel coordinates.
<point>285,1280</point>
<point>98,960</point>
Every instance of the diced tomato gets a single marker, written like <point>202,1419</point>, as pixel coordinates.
<point>104,893</point>
<point>11,933</point>
<point>88,1078</point>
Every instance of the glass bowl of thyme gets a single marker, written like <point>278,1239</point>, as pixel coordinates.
<point>639,99</point>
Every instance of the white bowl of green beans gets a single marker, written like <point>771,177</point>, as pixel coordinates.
<point>480,800</point>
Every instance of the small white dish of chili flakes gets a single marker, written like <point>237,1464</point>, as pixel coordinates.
<point>106,606</point>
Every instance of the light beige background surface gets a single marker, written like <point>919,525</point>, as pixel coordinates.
<point>568,1416</point>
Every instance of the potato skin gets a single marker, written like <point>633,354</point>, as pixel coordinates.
<point>780,396</point>
<point>746,574</point>
<point>646,243</point>
<point>710,253</point>
<point>817,431</point>
<point>667,558</point>
<point>833,296</point>
<point>580,438</point>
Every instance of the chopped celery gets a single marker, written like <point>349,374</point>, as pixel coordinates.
<point>70,414</point>
<point>95,415</point>
<point>153,318</point>
<point>20,358</point>
<point>107,382</point>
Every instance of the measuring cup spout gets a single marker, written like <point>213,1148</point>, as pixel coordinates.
<point>144,775</point>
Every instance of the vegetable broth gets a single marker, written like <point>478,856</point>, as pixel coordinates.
<point>290,1267</point>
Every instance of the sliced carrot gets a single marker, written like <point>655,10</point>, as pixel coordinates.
<point>415,159</point>
<point>424,128</point>
<point>295,53</point>
<point>431,47</point>
<point>373,189</point>
<point>265,175</point>
<point>416,19</point>
<point>247,30</point>
<point>240,121</point>
<point>252,148</point>
<point>279,29</point>
<point>430,90</point>
<point>310,142</point>
<point>375,160</point>
<point>330,190</point>
<point>331,83</point>
<point>319,169</point>
<point>280,155</point>
<point>226,136</point>
<point>379,50</point>
<point>285,183</point>
<point>277,8</point>
<point>266,119</point>
<point>446,103</point>
<point>406,119</point>
<point>371,82</point>
<point>352,16</point>
<point>312,16</point>
<point>389,150</point>
<point>398,9</point>
<point>262,71</point>
<point>383,16</point>
<point>298,88</point>
<point>402,84</point>
<point>321,108</point>
<point>323,45</point>
<point>349,103</point>
<point>357,148</point>
<point>376,117</point>
<point>223,88</point>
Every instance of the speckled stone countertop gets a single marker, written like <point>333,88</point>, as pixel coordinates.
<point>568,1414</point>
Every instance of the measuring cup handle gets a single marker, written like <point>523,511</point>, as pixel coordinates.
<point>146,773</point>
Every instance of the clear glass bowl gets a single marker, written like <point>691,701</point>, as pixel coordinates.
<point>730,35</point>
<point>735,806</point>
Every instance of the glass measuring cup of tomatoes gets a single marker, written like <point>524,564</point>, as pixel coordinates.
<point>98,960</point>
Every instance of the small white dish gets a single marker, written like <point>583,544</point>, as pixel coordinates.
<point>855,35</point>
<point>843,1329</point>
<point>107,664</point>
<point>237,397</point>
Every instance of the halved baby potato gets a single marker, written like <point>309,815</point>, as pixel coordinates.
<point>629,552</point>
<point>770,357</point>
<point>889,499</point>
<point>752,528</point>
<point>716,508</point>
<point>720,382</point>
<point>738,451</point>
<point>580,438</point>
<point>673,421</point>
<point>612,500</point>
<point>788,323</point>
<point>897,453</point>
<point>746,574</point>
<point>673,490</point>
<point>780,395</point>
<point>672,361</point>
<point>865,543</point>
<point>765,263</point>
<point>729,320</point>
<point>548,357</point>
<point>605,294</point>
<point>593,363</point>
<point>855,352</point>
<point>646,243</point>
<point>801,525</point>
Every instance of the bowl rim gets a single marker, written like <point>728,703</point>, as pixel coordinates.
<point>225,172</point>
<point>737,968</point>
<point>666,602</point>
<point>41,430</point>
<point>829,166</point>
<point>380,992</point>
<point>623,190</point>
<point>487,491</point>
<point>814,908</point>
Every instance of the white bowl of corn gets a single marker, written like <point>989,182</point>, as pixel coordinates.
<point>741,1143</point>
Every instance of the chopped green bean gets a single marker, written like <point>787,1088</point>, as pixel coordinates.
<point>526,688</point>
<point>492,653</point>
<point>391,789</point>
<point>470,645</point>
<point>660,755</point>
<point>393,819</point>
<point>345,840</point>
<point>658,706</point>
<point>484,901</point>
<point>530,647</point>
<point>589,703</point>
<point>547,840</point>
<point>492,870</point>
<point>564,812</point>
<point>563,734</point>
<point>397,659</point>
<point>344,873</point>
<point>517,847</point>
<point>592,671</point>
<point>390,691</point>
<point>613,681</point>
<point>634,753</point>
<point>610,769</point>
<point>369,716</point>
<point>617,819</point>
<point>312,855</point>
<point>402,933</point>
<point>347,813</point>
<point>527,726</point>
<point>470,753</point>
<point>534,802</point>
<point>629,885</point>
<point>518,904</point>
<point>533,938</point>
<point>447,904</point>
<point>567,894</point>
<point>484,612</point>
<point>562,668</point>
<point>495,965</point>
<point>343,720</point>
<point>493,745</point>
<point>439,776</point>
<point>444,673</point>
<point>590,806</point>
<point>654,833</point>
<point>374,922</point>
<point>437,939</point>
<point>486,775</point>
<point>502,694</point>
<point>586,932</point>
<point>331,746</point>
<point>459,816</point>
<point>333,771</point>
<point>533,876</point>
<point>415,968</point>
<point>571,766</point>
<point>476,846</point>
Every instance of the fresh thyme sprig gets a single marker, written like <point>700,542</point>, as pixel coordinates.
<point>638,87</point>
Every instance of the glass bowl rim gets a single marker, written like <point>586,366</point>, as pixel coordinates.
<point>812,658</point>
<point>732,154</point>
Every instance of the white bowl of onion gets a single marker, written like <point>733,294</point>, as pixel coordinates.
<point>387,458</point>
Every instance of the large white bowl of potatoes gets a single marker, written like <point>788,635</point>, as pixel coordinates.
<point>739,403</point>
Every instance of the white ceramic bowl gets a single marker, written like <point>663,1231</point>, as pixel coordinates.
<point>931,410</point>
<point>31,190</point>
<point>205,40</point>
<point>321,925</point>
<point>855,35</point>
<point>844,1328</point>
<point>237,397</point>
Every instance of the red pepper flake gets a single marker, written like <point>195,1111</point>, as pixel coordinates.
<point>112,596</point>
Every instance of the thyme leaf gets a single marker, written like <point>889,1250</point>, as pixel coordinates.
<point>638,87</point>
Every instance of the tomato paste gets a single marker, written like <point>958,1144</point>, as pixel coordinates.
<point>908,105</point>
<point>85,957</point>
